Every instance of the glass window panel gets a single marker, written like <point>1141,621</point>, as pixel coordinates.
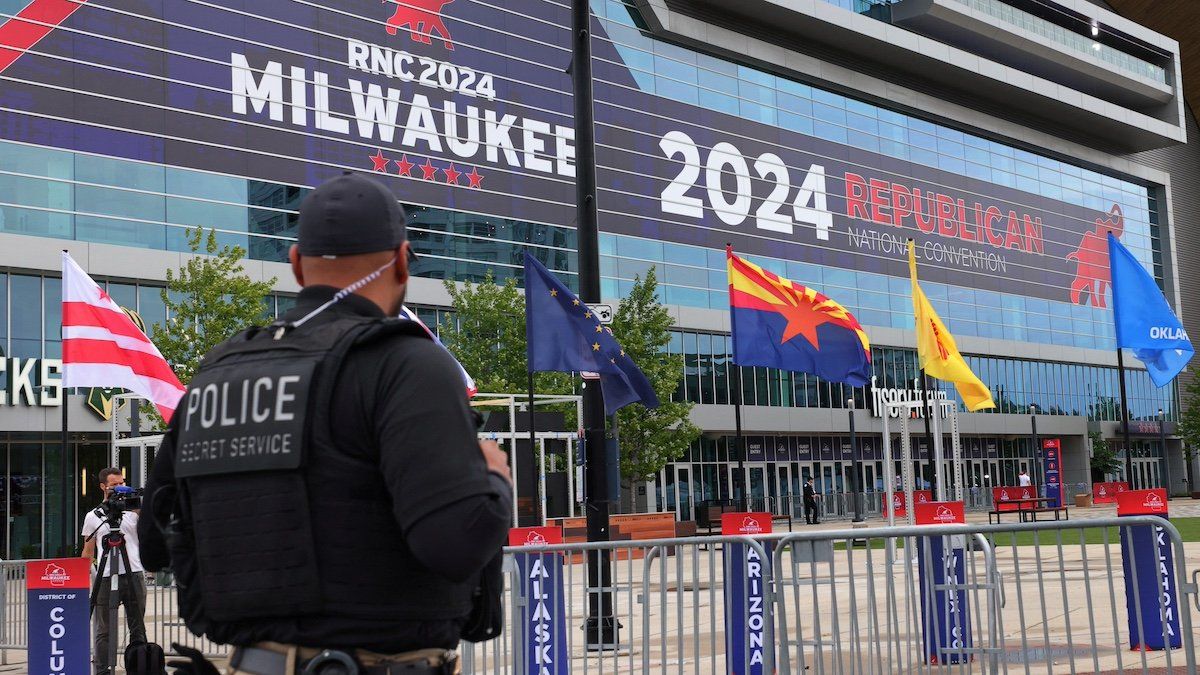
<point>26,326</point>
<point>151,307</point>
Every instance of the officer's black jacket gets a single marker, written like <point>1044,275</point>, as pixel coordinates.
<point>401,402</point>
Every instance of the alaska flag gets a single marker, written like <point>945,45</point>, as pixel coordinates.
<point>780,324</point>
<point>1145,322</point>
<point>563,335</point>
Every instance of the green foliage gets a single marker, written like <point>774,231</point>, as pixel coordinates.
<point>649,439</point>
<point>486,334</point>
<point>1105,458</point>
<point>208,300</point>
<point>1189,421</point>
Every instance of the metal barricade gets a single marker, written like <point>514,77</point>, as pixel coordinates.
<point>1025,597</point>
<point>1030,597</point>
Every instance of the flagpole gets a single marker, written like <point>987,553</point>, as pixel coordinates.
<point>738,440</point>
<point>1125,417</point>
<point>928,430</point>
<point>539,515</point>
<point>64,503</point>
<point>67,525</point>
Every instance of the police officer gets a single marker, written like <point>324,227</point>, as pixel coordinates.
<point>321,493</point>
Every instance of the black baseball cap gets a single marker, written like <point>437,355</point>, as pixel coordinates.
<point>350,214</point>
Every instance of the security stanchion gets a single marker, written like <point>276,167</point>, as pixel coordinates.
<point>543,619</point>
<point>746,578</point>
<point>1148,562</point>
<point>941,564</point>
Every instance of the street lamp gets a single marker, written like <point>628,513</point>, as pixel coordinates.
<point>1162,442</point>
<point>857,464</point>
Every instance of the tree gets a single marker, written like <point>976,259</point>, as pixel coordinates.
<point>650,438</point>
<point>1189,427</point>
<point>208,300</point>
<point>1105,458</point>
<point>486,334</point>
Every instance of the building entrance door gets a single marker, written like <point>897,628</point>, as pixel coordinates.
<point>784,490</point>
<point>682,492</point>
<point>1146,473</point>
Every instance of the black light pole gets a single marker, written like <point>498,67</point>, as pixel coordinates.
<point>1034,440</point>
<point>1125,417</point>
<point>857,463</point>
<point>1162,441</point>
<point>601,626</point>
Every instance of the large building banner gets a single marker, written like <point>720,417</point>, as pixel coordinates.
<point>466,105</point>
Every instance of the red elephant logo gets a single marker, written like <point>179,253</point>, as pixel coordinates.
<point>1092,276</point>
<point>422,18</point>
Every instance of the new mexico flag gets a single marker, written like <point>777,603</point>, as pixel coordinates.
<point>937,351</point>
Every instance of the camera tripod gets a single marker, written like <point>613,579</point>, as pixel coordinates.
<point>115,558</point>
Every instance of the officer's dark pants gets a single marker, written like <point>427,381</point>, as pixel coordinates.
<point>133,597</point>
<point>810,511</point>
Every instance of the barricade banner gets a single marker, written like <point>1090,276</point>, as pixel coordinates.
<point>1147,551</point>
<point>898,505</point>
<point>941,560</point>
<point>1052,468</point>
<point>1106,493</point>
<point>1008,497</point>
<point>746,577</point>
<point>59,637</point>
<point>901,504</point>
<point>544,619</point>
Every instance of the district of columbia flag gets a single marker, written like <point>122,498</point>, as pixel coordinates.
<point>467,379</point>
<point>1145,323</point>
<point>778,323</point>
<point>937,351</point>
<point>102,347</point>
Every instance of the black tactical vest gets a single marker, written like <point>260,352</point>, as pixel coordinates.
<point>242,537</point>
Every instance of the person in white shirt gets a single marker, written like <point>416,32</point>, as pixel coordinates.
<point>1024,479</point>
<point>132,581</point>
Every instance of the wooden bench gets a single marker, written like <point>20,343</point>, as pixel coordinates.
<point>1025,515</point>
<point>1033,513</point>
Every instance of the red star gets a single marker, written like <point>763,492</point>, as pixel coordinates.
<point>103,295</point>
<point>405,166</point>
<point>452,175</point>
<point>802,319</point>
<point>380,162</point>
<point>475,178</point>
<point>428,170</point>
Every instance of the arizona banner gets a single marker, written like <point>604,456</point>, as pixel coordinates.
<point>780,324</point>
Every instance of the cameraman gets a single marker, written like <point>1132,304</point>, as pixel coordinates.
<point>133,584</point>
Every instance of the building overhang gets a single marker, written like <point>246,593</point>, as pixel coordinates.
<point>788,25</point>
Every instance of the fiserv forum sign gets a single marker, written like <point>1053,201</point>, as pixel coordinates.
<point>466,105</point>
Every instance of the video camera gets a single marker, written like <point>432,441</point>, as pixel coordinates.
<point>122,498</point>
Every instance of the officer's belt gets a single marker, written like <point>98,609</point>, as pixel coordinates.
<point>270,658</point>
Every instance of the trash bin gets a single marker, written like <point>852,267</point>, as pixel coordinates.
<point>1083,500</point>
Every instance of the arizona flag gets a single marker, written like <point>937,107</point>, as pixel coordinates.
<point>780,324</point>
<point>937,351</point>
<point>103,348</point>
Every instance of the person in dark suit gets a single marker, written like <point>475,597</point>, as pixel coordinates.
<point>810,503</point>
